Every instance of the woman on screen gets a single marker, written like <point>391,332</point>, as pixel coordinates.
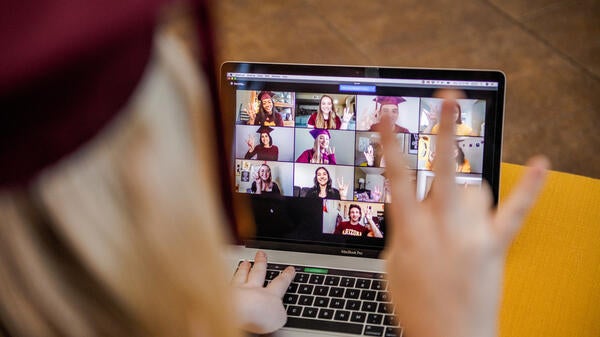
<point>461,129</point>
<point>323,186</point>
<point>267,114</point>
<point>265,150</point>
<point>263,182</point>
<point>326,118</point>
<point>462,163</point>
<point>321,153</point>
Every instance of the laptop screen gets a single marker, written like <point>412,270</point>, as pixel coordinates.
<point>307,152</point>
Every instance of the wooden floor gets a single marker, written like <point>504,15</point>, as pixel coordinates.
<point>549,51</point>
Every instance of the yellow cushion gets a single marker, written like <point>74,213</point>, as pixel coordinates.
<point>552,280</point>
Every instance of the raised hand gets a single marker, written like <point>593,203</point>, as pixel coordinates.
<point>250,142</point>
<point>445,255</point>
<point>347,115</point>
<point>251,109</point>
<point>432,118</point>
<point>367,117</point>
<point>368,213</point>
<point>259,183</point>
<point>369,156</point>
<point>343,188</point>
<point>330,150</point>
<point>260,310</point>
<point>376,194</point>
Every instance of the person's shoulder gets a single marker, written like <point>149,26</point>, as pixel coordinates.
<point>400,129</point>
<point>463,130</point>
<point>311,193</point>
<point>304,156</point>
<point>375,127</point>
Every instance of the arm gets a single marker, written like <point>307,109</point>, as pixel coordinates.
<point>337,195</point>
<point>432,120</point>
<point>257,185</point>
<point>373,229</point>
<point>251,147</point>
<point>278,119</point>
<point>251,154</point>
<point>329,154</point>
<point>311,121</point>
<point>343,188</point>
<point>338,228</point>
<point>369,156</point>
<point>251,114</point>
<point>304,157</point>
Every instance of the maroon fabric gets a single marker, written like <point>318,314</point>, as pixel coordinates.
<point>67,68</point>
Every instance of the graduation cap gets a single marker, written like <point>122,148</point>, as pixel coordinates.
<point>316,132</point>
<point>383,100</point>
<point>265,94</point>
<point>40,125</point>
<point>264,129</point>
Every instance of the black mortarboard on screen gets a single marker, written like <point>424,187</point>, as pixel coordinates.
<point>265,129</point>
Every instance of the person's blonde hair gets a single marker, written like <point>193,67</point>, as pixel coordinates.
<point>317,156</point>
<point>320,120</point>
<point>124,237</point>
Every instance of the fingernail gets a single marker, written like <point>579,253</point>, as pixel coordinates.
<point>261,253</point>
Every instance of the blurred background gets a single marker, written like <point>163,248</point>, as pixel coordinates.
<point>549,51</point>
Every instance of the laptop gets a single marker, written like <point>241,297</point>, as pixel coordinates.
<point>306,157</point>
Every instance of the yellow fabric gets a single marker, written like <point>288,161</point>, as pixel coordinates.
<point>552,280</point>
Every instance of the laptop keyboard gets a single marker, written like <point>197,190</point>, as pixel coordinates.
<point>338,300</point>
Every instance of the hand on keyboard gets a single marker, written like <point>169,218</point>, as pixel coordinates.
<point>260,309</point>
<point>445,255</point>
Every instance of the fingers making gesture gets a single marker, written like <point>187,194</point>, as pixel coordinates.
<point>445,256</point>
<point>343,188</point>
<point>251,109</point>
<point>250,142</point>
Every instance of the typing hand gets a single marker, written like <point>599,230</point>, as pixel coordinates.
<point>260,310</point>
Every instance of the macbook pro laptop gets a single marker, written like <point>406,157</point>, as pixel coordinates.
<point>307,159</point>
